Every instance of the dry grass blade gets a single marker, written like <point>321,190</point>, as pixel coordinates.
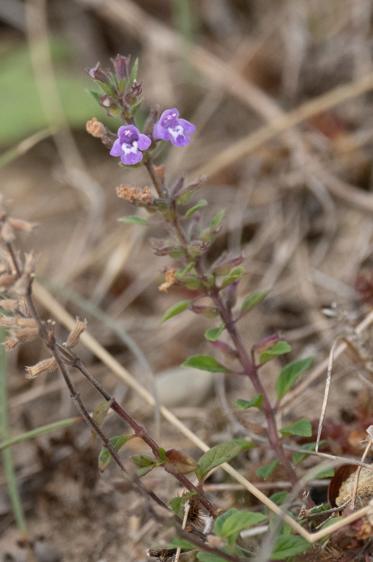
<point>326,393</point>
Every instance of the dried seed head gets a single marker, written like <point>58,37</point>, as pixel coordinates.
<point>10,305</point>
<point>169,280</point>
<point>26,334</point>
<point>7,233</point>
<point>10,343</point>
<point>76,332</point>
<point>7,280</point>
<point>95,128</point>
<point>20,287</point>
<point>134,195</point>
<point>26,322</point>
<point>44,367</point>
<point>29,265</point>
<point>21,225</point>
<point>7,321</point>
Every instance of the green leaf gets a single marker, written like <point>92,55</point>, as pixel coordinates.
<point>176,309</point>
<point>100,412</point>
<point>255,402</point>
<point>213,334</point>
<point>327,473</point>
<point>199,205</point>
<point>234,275</point>
<point>182,543</point>
<point>279,348</point>
<point>133,219</point>
<point>134,71</point>
<point>162,455</point>
<point>301,427</point>
<point>177,503</point>
<point>117,442</point>
<point>289,545</point>
<point>299,457</point>
<point>266,470</point>
<point>144,464</point>
<point>217,220</point>
<point>290,374</point>
<point>209,557</point>
<point>231,523</point>
<point>205,363</point>
<point>224,452</point>
<point>279,497</point>
<point>252,300</point>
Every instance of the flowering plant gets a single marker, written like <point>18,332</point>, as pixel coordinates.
<point>213,289</point>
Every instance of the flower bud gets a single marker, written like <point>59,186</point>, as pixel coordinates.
<point>121,65</point>
<point>97,73</point>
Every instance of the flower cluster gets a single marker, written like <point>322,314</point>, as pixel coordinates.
<point>131,143</point>
<point>120,95</point>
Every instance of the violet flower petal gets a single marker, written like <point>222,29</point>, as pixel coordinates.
<point>116,149</point>
<point>131,158</point>
<point>160,133</point>
<point>144,142</point>
<point>188,127</point>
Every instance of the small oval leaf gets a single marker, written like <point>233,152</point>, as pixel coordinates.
<point>224,452</point>
<point>199,205</point>
<point>255,402</point>
<point>266,470</point>
<point>290,374</point>
<point>205,363</point>
<point>133,219</point>
<point>176,309</point>
<point>279,348</point>
<point>213,334</point>
<point>117,442</point>
<point>253,300</point>
<point>302,427</point>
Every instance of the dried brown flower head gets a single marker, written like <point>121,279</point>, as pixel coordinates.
<point>74,336</point>
<point>134,195</point>
<point>43,367</point>
<point>95,128</point>
<point>169,280</point>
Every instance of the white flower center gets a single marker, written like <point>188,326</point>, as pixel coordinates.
<point>176,131</point>
<point>130,148</point>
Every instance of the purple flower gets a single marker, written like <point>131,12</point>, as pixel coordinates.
<point>171,128</point>
<point>129,145</point>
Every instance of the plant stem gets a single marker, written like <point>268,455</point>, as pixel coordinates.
<point>47,335</point>
<point>141,432</point>
<point>252,373</point>
<point>150,167</point>
<point>63,355</point>
<point>247,364</point>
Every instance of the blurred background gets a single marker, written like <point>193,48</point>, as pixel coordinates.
<point>281,94</point>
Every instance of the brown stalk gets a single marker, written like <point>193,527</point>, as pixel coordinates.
<point>47,335</point>
<point>62,356</point>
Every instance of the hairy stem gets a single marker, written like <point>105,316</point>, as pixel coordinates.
<point>247,364</point>
<point>48,338</point>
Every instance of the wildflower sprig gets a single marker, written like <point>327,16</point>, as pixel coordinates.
<point>190,232</point>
